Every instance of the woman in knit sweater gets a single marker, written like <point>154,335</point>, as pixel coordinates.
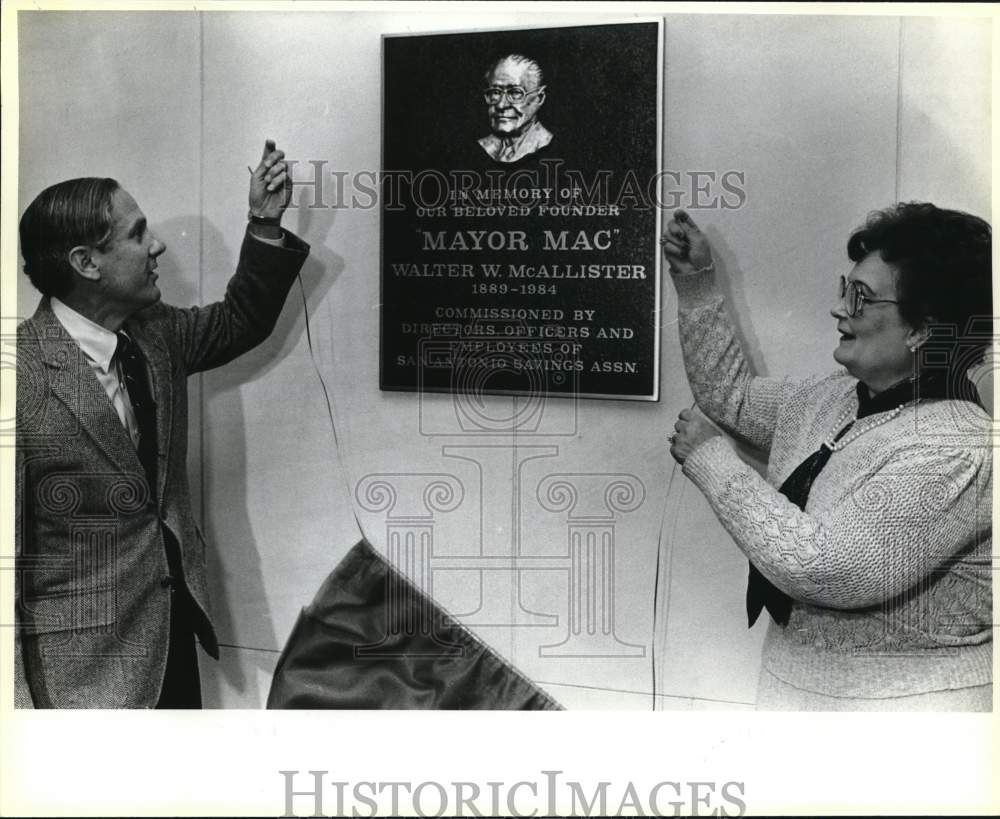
<point>869,538</point>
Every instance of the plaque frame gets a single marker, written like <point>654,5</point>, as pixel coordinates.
<point>652,347</point>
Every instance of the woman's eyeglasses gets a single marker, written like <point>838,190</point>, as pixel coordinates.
<point>854,299</point>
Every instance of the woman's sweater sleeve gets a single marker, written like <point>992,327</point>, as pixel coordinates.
<point>891,527</point>
<point>721,381</point>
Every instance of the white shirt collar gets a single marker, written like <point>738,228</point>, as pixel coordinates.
<point>97,343</point>
<point>510,150</point>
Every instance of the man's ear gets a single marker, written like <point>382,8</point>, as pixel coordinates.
<point>81,259</point>
<point>540,96</point>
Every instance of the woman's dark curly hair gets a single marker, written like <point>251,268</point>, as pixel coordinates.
<point>943,259</point>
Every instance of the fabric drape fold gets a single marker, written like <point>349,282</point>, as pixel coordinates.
<point>371,640</point>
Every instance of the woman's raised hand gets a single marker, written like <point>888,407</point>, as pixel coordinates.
<point>686,249</point>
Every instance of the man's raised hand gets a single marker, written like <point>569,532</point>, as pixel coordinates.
<point>270,184</point>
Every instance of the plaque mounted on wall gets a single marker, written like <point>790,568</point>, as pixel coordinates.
<point>520,218</point>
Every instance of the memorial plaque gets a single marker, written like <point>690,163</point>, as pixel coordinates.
<point>520,223</point>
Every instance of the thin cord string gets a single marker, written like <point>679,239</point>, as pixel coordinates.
<point>659,557</point>
<point>331,414</point>
<point>656,577</point>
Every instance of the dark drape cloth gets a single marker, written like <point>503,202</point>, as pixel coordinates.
<point>370,639</point>
<point>761,592</point>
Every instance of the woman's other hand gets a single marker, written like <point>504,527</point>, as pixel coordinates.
<point>686,249</point>
<point>691,431</point>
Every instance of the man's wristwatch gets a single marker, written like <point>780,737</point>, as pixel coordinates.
<point>275,221</point>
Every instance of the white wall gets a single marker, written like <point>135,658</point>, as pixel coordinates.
<point>829,117</point>
<point>117,94</point>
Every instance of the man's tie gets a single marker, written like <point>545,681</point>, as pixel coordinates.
<point>133,368</point>
<point>181,686</point>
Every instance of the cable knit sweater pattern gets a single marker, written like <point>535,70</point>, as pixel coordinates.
<point>890,563</point>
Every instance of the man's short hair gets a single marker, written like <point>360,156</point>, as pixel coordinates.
<point>67,214</point>
<point>534,69</point>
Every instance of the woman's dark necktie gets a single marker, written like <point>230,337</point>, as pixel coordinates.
<point>761,592</point>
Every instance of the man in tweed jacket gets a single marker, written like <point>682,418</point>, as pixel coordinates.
<point>111,566</point>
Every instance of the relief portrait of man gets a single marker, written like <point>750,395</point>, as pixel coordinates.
<point>514,92</point>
